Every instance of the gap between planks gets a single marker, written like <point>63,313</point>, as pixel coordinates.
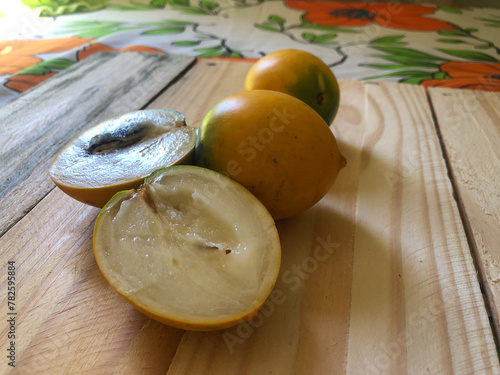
<point>39,122</point>
<point>308,226</point>
<point>181,72</point>
<point>198,350</point>
<point>486,288</point>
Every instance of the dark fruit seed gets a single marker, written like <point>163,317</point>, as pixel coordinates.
<point>119,138</point>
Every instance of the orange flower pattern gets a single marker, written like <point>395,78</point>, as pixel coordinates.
<point>23,82</point>
<point>468,75</point>
<point>98,47</point>
<point>458,54</point>
<point>392,15</point>
<point>16,55</point>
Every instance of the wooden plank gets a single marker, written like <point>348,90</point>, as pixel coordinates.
<point>37,124</point>
<point>398,291</point>
<point>69,320</point>
<point>298,331</point>
<point>196,92</point>
<point>376,278</point>
<point>469,122</point>
<point>416,302</point>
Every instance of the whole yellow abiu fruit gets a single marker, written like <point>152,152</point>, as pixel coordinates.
<point>300,74</point>
<point>275,145</point>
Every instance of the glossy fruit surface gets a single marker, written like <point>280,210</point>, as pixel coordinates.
<point>119,153</point>
<point>273,144</point>
<point>300,74</point>
<point>190,248</point>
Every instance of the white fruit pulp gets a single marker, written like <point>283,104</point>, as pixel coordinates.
<point>192,246</point>
<point>165,141</point>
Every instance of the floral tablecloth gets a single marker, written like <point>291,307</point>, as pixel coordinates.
<point>417,44</point>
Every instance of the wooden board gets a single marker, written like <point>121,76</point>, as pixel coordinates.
<point>469,122</point>
<point>399,267</point>
<point>377,278</point>
<point>37,124</point>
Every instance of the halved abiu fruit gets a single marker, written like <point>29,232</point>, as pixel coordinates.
<point>119,153</point>
<point>190,248</point>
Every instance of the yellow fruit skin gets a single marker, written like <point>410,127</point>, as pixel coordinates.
<point>273,144</point>
<point>97,197</point>
<point>300,74</point>
<point>194,326</point>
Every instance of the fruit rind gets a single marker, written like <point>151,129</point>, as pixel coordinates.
<point>293,166</point>
<point>86,173</point>
<point>313,81</point>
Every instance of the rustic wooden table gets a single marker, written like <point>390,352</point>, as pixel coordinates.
<point>395,271</point>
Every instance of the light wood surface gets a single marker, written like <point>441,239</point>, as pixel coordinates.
<point>40,122</point>
<point>469,122</point>
<point>377,278</point>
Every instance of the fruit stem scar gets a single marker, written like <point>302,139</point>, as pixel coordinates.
<point>179,124</point>
<point>116,139</point>
<point>320,98</point>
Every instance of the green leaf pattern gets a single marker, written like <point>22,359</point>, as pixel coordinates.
<point>218,28</point>
<point>47,66</point>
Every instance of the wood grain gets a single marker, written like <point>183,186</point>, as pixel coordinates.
<point>398,293</point>
<point>202,87</point>
<point>69,320</point>
<point>469,122</point>
<point>416,303</point>
<point>377,278</point>
<point>37,124</point>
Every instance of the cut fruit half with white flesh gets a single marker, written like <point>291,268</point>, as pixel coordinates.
<point>119,153</point>
<point>190,248</point>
